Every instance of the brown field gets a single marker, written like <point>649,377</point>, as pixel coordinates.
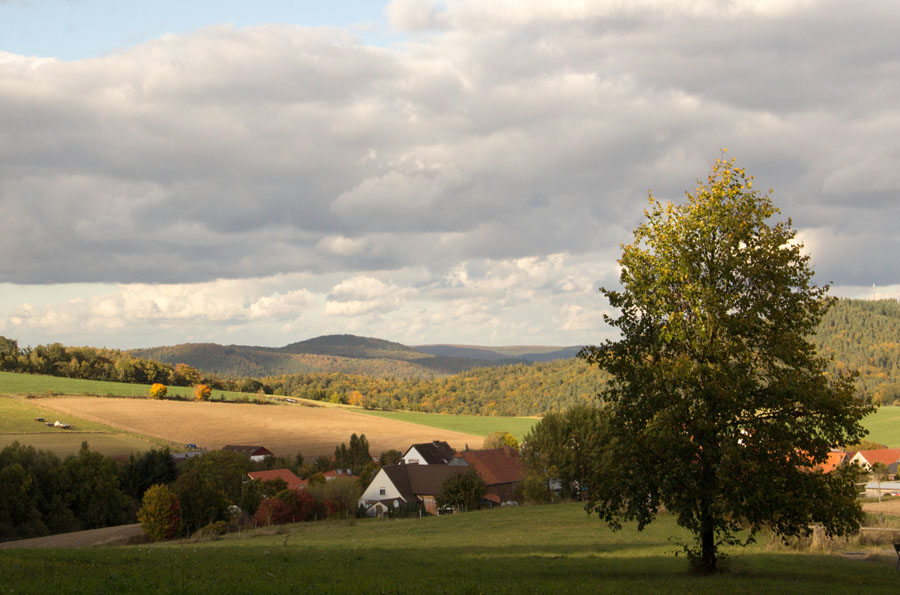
<point>284,429</point>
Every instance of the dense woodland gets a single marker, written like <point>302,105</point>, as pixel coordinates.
<point>858,335</point>
<point>864,336</point>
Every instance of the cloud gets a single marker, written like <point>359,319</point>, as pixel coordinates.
<point>496,134</point>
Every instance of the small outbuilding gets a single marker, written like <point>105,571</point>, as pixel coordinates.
<point>254,453</point>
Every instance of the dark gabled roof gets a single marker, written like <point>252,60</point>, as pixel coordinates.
<point>413,481</point>
<point>496,466</point>
<point>250,451</point>
<point>436,452</point>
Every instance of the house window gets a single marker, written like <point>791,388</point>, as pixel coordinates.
<point>382,491</point>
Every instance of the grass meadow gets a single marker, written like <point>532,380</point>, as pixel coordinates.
<point>534,549</point>
<point>884,426</point>
<point>17,424</point>
<point>470,424</point>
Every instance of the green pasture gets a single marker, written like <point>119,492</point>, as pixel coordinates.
<point>14,383</point>
<point>479,425</point>
<point>537,549</point>
<point>884,426</point>
<point>17,424</point>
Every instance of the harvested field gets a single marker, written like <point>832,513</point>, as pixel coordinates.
<point>284,429</point>
<point>888,507</point>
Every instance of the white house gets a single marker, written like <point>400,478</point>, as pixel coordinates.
<point>429,453</point>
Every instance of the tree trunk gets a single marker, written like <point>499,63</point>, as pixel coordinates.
<point>707,546</point>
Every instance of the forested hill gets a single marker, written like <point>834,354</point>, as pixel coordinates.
<point>346,354</point>
<point>864,335</point>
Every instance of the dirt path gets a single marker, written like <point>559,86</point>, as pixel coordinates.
<point>283,429</point>
<point>121,535</point>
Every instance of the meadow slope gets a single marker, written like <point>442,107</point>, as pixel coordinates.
<point>533,549</point>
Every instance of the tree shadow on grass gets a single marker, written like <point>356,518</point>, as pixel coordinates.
<point>428,568</point>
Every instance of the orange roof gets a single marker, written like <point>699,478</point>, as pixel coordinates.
<point>495,466</point>
<point>887,456</point>
<point>833,461</point>
<point>287,475</point>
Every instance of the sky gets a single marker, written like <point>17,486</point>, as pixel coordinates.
<point>424,172</point>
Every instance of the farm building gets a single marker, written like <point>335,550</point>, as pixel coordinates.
<point>255,453</point>
<point>500,468</point>
<point>875,489</point>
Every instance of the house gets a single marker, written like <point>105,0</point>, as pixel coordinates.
<point>255,453</point>
<point>397,485</point>
<point>293,482</point>
<point>429,453</point>
<point>335,473</point>
<point>867,458</point>
<point>501,469</point>
<point>876,489</point>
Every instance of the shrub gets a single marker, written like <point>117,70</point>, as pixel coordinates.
<point>158,391</point>
<point>202,392</point>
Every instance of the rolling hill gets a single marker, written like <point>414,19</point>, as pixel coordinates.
<point>348,354</point>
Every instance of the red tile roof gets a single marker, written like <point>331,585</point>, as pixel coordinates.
<point>881,455</point>
<point>287,475</point>
<point>495,466</point>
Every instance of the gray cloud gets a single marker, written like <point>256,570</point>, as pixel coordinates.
<point>498,135</point>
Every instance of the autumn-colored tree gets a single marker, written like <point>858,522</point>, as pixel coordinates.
<point>501,439</point>
<point>158,391</point>
<point>202,392</point>
<point>719,401</point>
<point>160,513</point>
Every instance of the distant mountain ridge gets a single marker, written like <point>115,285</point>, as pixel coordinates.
<point>349,354</point>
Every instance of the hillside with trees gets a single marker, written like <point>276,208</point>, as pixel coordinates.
<point>861,336</point>
<point>864,336</point>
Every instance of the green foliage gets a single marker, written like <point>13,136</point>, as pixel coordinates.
<point>462,490</point>
<point>141,471</point>
<point>159,516</point>
<point>719,401</point>
<point>390,457</point>
<point>89,483</point>
<point>571,448</point>
<point>356,457</point>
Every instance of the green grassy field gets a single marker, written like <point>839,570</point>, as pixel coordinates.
<point>17,424</point>
<point>884,426</point>
<point>538,549</point>
<point>470,424</point>
<point>12,383</point>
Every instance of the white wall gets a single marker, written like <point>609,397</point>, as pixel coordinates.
<point>373,492</point>
<point>412,457</point>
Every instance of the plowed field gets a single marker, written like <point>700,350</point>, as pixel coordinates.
<point>283,429</point>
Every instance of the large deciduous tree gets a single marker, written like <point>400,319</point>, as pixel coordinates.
<point>721,406</point>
